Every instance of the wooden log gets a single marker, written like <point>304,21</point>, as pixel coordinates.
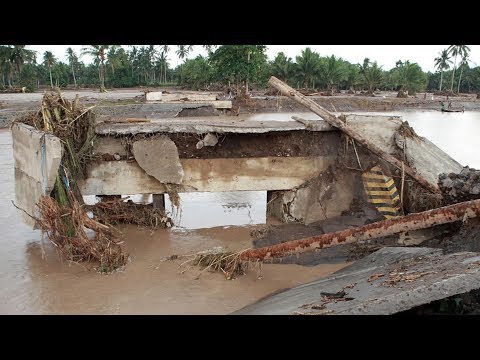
<point>335,121</point>
<point>422,220</point>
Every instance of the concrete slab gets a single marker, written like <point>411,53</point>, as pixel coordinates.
<point>421,154</point>
<point>386,282</point>
<point>27,193</point>
<point>159,158</point>
<point>161,96</point>
<point>27,153</point>
<point>230,174</point>
<point>203,125</point>
<point>32,169</point>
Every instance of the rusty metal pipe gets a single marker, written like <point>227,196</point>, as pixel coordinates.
<point>422,220</point>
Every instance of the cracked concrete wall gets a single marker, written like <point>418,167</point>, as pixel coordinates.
<point>322,198</point>
<point>32,168</point>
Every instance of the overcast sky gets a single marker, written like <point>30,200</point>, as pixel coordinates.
<point>385,55</point>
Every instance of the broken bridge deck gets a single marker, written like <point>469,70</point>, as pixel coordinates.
<point>243,124</point>
<point>391,280</point>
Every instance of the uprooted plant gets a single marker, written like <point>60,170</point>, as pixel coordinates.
<point>62,216</point>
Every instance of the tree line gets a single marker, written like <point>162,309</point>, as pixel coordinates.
<point>229,65</point>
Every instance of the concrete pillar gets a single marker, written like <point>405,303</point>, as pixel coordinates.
<point>159,201</point>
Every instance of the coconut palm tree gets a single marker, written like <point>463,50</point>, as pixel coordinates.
<point>5,65</point>
<point>209,48</point>
<point>456,50</point>
<point>282,67</point>
<point>331,71</point>
<point>372,73</point>
<point>19,55</point>
<point>164,51</point>
<point>183,50</point>
<point>115,55</point>
<point>443,63</point>
<point>49,60</point>
<point>462,65</point>
<point>99,52</point>
<point>307,66</point>
<point>73,60</point>
<point>162,64</point>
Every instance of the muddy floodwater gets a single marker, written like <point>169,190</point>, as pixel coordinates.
<point>31,284</point>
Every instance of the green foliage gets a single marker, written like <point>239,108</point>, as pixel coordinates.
<point>28,77</point>
<point>283,67</point>
<point>239,63</point>
<point>408,76</point>
<point>307,67</point>
<point>330,72</point>
<point>195,73</point>
<point>149,66</point>
<point>372,74</point>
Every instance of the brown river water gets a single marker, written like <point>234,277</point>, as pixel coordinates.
<point>31,284</point>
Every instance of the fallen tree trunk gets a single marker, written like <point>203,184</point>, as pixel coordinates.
<point>422,220</point>
<point>334,121</point>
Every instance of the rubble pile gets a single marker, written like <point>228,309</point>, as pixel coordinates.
<point>463,186</point>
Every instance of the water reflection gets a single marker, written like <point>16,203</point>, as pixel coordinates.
<point>203,210</point>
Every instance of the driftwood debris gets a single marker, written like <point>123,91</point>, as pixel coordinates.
<point>335,121</point>
<point>422,220</point>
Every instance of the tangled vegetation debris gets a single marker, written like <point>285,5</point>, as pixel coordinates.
<point>62,215</point>
<point>117,211</point>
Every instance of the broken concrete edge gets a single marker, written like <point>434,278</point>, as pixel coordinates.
<point>204,126</point>
<point>206,175</point>
<point>37,156</point>
<point>36,153</point>
<point>439,276</point>
<point>159,158</point>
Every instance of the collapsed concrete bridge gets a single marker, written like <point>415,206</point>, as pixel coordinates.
<point>292,160</point>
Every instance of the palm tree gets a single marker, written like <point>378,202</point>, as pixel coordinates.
<point>19,55</point>
<point>72,59</point>
<point>455,50</point>
<point>162,65</point>
<point>351,76</point>
<point>331,71</point>
<point>5,54</point>
<point>113,58</point>
<point>99,53</point>
<point>442,63</point>
<point>463,64</point>
<point>372,73</point>
<point>183,50</point>
<point>164,54</point>
<point>282,67</point>
<point>209,48</point>
<point>307,66</point>
<point>49,60</point>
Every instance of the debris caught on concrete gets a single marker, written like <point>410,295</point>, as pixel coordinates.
<point>335,121</point>
<point>62,217</point>
<point>119,211</point>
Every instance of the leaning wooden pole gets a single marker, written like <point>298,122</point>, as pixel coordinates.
<point>422,220</point>
<point>334,121</point>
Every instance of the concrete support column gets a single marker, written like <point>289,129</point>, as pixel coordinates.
<point>159,201</point>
